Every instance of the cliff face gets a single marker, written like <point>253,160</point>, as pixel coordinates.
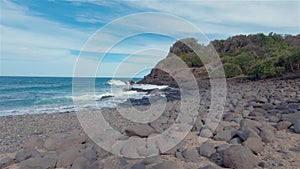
<point>257,56</point>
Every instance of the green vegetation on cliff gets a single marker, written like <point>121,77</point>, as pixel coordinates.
<point>257,56</point>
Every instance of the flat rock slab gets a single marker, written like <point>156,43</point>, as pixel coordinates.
<point>142,130</point>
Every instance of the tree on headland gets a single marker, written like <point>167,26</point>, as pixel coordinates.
<point>258,55</point>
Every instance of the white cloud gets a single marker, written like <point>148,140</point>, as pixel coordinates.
<point>28,39</point>
<point>231,17</point>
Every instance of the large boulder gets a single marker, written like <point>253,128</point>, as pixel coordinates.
<point>239,157</point>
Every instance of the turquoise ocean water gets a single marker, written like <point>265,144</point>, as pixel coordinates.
<point>32,95</point>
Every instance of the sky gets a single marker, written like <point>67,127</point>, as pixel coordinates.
<point>50,37</point>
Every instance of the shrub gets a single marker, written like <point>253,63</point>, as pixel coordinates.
<point>232,70</point>
<point>243,60</point>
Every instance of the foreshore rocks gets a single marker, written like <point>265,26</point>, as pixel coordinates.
<point>260,128</point>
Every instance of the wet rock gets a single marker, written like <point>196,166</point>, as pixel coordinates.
<point>80,163</point>
<point>296,125</point>
<point>267,135</point>
<point>25,154</point>
<point>33,141</point>
<point>239,157</point>
<point>143,130</point>
<point>38,163</point>
<point>254,144</point>
<point>283,125</point>
<point>207,149</point>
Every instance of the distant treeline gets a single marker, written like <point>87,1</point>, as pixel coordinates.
<point>257,56</point>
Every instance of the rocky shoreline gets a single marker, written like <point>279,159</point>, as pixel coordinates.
<point>260,128</point>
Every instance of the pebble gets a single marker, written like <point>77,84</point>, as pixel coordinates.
<point>206,133</point>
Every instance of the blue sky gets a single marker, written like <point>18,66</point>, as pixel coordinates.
<point>44,38</point>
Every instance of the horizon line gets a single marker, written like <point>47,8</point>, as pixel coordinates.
<point>66,76</point>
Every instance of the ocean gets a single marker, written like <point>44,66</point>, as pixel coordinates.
<point>35,95</point>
